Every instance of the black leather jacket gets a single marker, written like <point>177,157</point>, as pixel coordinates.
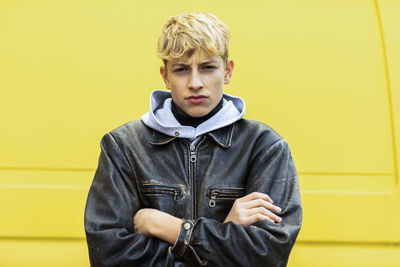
<point>142,168</point>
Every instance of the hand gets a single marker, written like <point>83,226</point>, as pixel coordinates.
<point>252,208</point>
<point>156,223</point>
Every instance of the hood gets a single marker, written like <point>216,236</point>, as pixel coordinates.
<point>161,118</point>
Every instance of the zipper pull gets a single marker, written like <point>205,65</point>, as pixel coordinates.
<point>193,156</point>
<point>212,200</point>
<point>175,194</point>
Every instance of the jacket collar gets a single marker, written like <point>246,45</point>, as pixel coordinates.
<point>159,138</point>
<point>222,136</point>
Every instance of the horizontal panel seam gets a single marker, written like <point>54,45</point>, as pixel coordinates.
<point>36,186</point>
<point>7,168</point>
<point>350,192</point>
<point>348,173</point>
<point>350,243</point>
<point>28,238</point>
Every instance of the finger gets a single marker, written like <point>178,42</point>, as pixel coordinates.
<point>258,217</point>
<point>261,203</point>
<point>257,195</point>
<point>264,212</point>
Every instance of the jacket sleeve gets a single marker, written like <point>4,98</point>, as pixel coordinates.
<point>262,244</point>
<point>111,204</point>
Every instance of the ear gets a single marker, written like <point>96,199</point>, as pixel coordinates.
<point>228,71</point>
<point>164,75</point>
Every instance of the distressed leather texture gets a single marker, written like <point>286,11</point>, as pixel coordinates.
<point>142,168</point>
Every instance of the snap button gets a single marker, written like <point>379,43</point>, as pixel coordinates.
<point>176,133</point>
<point>186,226</point>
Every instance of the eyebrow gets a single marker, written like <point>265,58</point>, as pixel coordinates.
<point>202,63</point>
<point>208,62</point>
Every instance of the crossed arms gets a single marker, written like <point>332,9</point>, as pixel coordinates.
<point>245,211</point>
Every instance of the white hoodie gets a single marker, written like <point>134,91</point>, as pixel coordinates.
<point>161,118</point>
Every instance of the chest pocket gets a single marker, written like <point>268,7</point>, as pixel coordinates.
<point>156,190</point>
<point>223,194</point>
<point>166,198</point>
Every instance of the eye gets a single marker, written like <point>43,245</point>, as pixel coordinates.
<point>209,67</point>
<point>180,69</point>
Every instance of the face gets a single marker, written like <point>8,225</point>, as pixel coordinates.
<point>197,83</point>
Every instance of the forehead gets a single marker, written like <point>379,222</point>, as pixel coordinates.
<point>198,57</point>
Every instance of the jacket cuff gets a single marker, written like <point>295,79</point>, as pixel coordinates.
<point>182,242</point>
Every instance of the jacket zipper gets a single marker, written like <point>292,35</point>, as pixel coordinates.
<point>175,194</point>
<point>212,199</point>
<point>225,193</point>
<point>193,160</point>
<point>176,191</point>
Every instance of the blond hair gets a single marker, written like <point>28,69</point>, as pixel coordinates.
<point>183,34</point>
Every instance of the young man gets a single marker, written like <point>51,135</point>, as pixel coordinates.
<point>192,183</point>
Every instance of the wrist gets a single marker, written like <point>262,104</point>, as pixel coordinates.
<point>164,226</point>
<point>152,226</point>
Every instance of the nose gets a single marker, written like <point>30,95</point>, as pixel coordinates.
<point>195,82</point>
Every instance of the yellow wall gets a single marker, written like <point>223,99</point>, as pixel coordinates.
<point>324,74</point>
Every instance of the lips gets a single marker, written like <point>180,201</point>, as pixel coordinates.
<point>196,99</point>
